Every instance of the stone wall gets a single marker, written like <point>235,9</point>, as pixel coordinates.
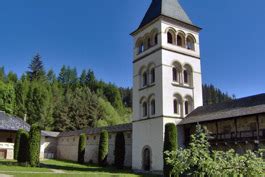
<point>48,148</point>
<point>67,148</point>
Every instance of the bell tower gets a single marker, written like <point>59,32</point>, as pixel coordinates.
<point>167,82</point>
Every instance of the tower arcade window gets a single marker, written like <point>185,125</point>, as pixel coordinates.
<point>169,38</point>
<point>180,40</point>
<point>152,75</point>
<point>153,107</point>
<point>156,39</point>
<point>149,43</point>
<point>144,79</point>
<point>190,43</point>
<point>187,110</point>
<point>176,108</point>
<point>144,109</point>
<point>186,77</point>
<point>141,48</point>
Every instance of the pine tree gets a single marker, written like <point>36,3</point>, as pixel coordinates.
<point>7,97</point>
<point>34,145</point>
<point>21,90</point>
<point>103,148</point>
<point>36,69</point>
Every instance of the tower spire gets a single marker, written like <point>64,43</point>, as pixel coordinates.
<point>169,8</point>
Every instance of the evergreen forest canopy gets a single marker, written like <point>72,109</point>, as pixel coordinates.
<point>69,101</point>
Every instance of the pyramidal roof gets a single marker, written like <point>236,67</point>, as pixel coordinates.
<point>169,8</point>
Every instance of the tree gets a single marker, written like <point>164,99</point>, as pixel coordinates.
<point>21,90</point>
<point>2,74</point>
<point>23,152</point>
<point>12,77</point>
<point>170,144</point>
<point>81,148</point>
<point>39,105</point>
<point>103,148</point>
<point>7,97</point>
<point>17,143</point>
<point>119,152</point>
<point>36,69</point>
<point>34,145</point>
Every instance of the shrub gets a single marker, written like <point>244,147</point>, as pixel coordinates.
<point>103,148</point>
<point>198,160</point>
<point>23,153</point>
<point>170,144</point>
<point>34,145</point>
<point>81,148</point>
<point>17,142</point>
<point>119,152</point>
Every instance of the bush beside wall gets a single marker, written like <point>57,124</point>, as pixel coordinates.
<point>23,152</point>
<point>170,144</point>
<point>34,145</point>
<point>119,152</point>
<point>103,148</point>
<point>17,142</point>
<point>81,148</point>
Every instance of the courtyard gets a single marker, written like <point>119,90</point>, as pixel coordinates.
<point>52,168</point>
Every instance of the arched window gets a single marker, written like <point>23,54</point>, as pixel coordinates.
<point>144,109</point>
<point>156,38</point>
<point>141,48</point>
<point>152,75</point>
<point>144,79</point>
<point>169,38</point>
<point>175,76</point>
<point>153,107</point>
<point>188,105</point>
<point>149,43</point>
<point>176,106</point>
<point>186,77</point>
<point>187,111</point>
<point>190,43</point>
<point>181,40</point>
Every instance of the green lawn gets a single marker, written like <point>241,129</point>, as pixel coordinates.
<point>69,169</point>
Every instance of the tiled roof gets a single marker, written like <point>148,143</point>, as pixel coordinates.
<point>235,108</point>
<point>12,123</point>
<point>90,131</point>
<point>169,8</point>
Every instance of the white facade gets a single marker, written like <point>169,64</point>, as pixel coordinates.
<point>174,96</point>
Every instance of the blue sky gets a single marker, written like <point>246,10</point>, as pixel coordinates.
<point>95,34</point>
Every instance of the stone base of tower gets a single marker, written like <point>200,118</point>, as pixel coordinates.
<point>147,143</point>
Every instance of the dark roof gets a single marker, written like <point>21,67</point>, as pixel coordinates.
<point>169,8</point>
<point>90,131</point>
<point>235,108</point>
<point>49,134</point>
<point>12,123</point>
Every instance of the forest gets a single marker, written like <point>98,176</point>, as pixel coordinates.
<point>69,101</point>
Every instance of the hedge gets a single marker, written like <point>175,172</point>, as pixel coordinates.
<point>81,148</point>
<point>103,148</point>
<point>17,142</point>
<point>23,152</point>
<point>119,152</point>
<point>34,145</point>
<point>170,144</point>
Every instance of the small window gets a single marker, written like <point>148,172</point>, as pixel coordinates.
<point>149,43</point>
<point>179,41</point>
<point>153,75</point>
<point>153,107</point>
<point>186,77</point>
<point>175,73</point>
<point>176,109</point>
<point>169,38</point>
<point>190,43</point>
<point>156,39</point>
<point>187,110</point>
<point>141,48</point>
<point>144,109</point>
<point>144,79</point>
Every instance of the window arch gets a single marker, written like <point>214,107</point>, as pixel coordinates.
<point>169,38</point>
<point>176,72</point>
<point>190,42</point>
<point>156,39</point>
<point>149,43</point>
<point>188,105</point>
<point>144,109</point>
<point>177,104</point>
<point>152,75</point>
<point>153,107</point>
<point>141,48</point>
<point>181,39</point>
<point>144,79</point>
<point>188,75</point>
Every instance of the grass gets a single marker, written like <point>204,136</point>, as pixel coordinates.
<point>70,169</point>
